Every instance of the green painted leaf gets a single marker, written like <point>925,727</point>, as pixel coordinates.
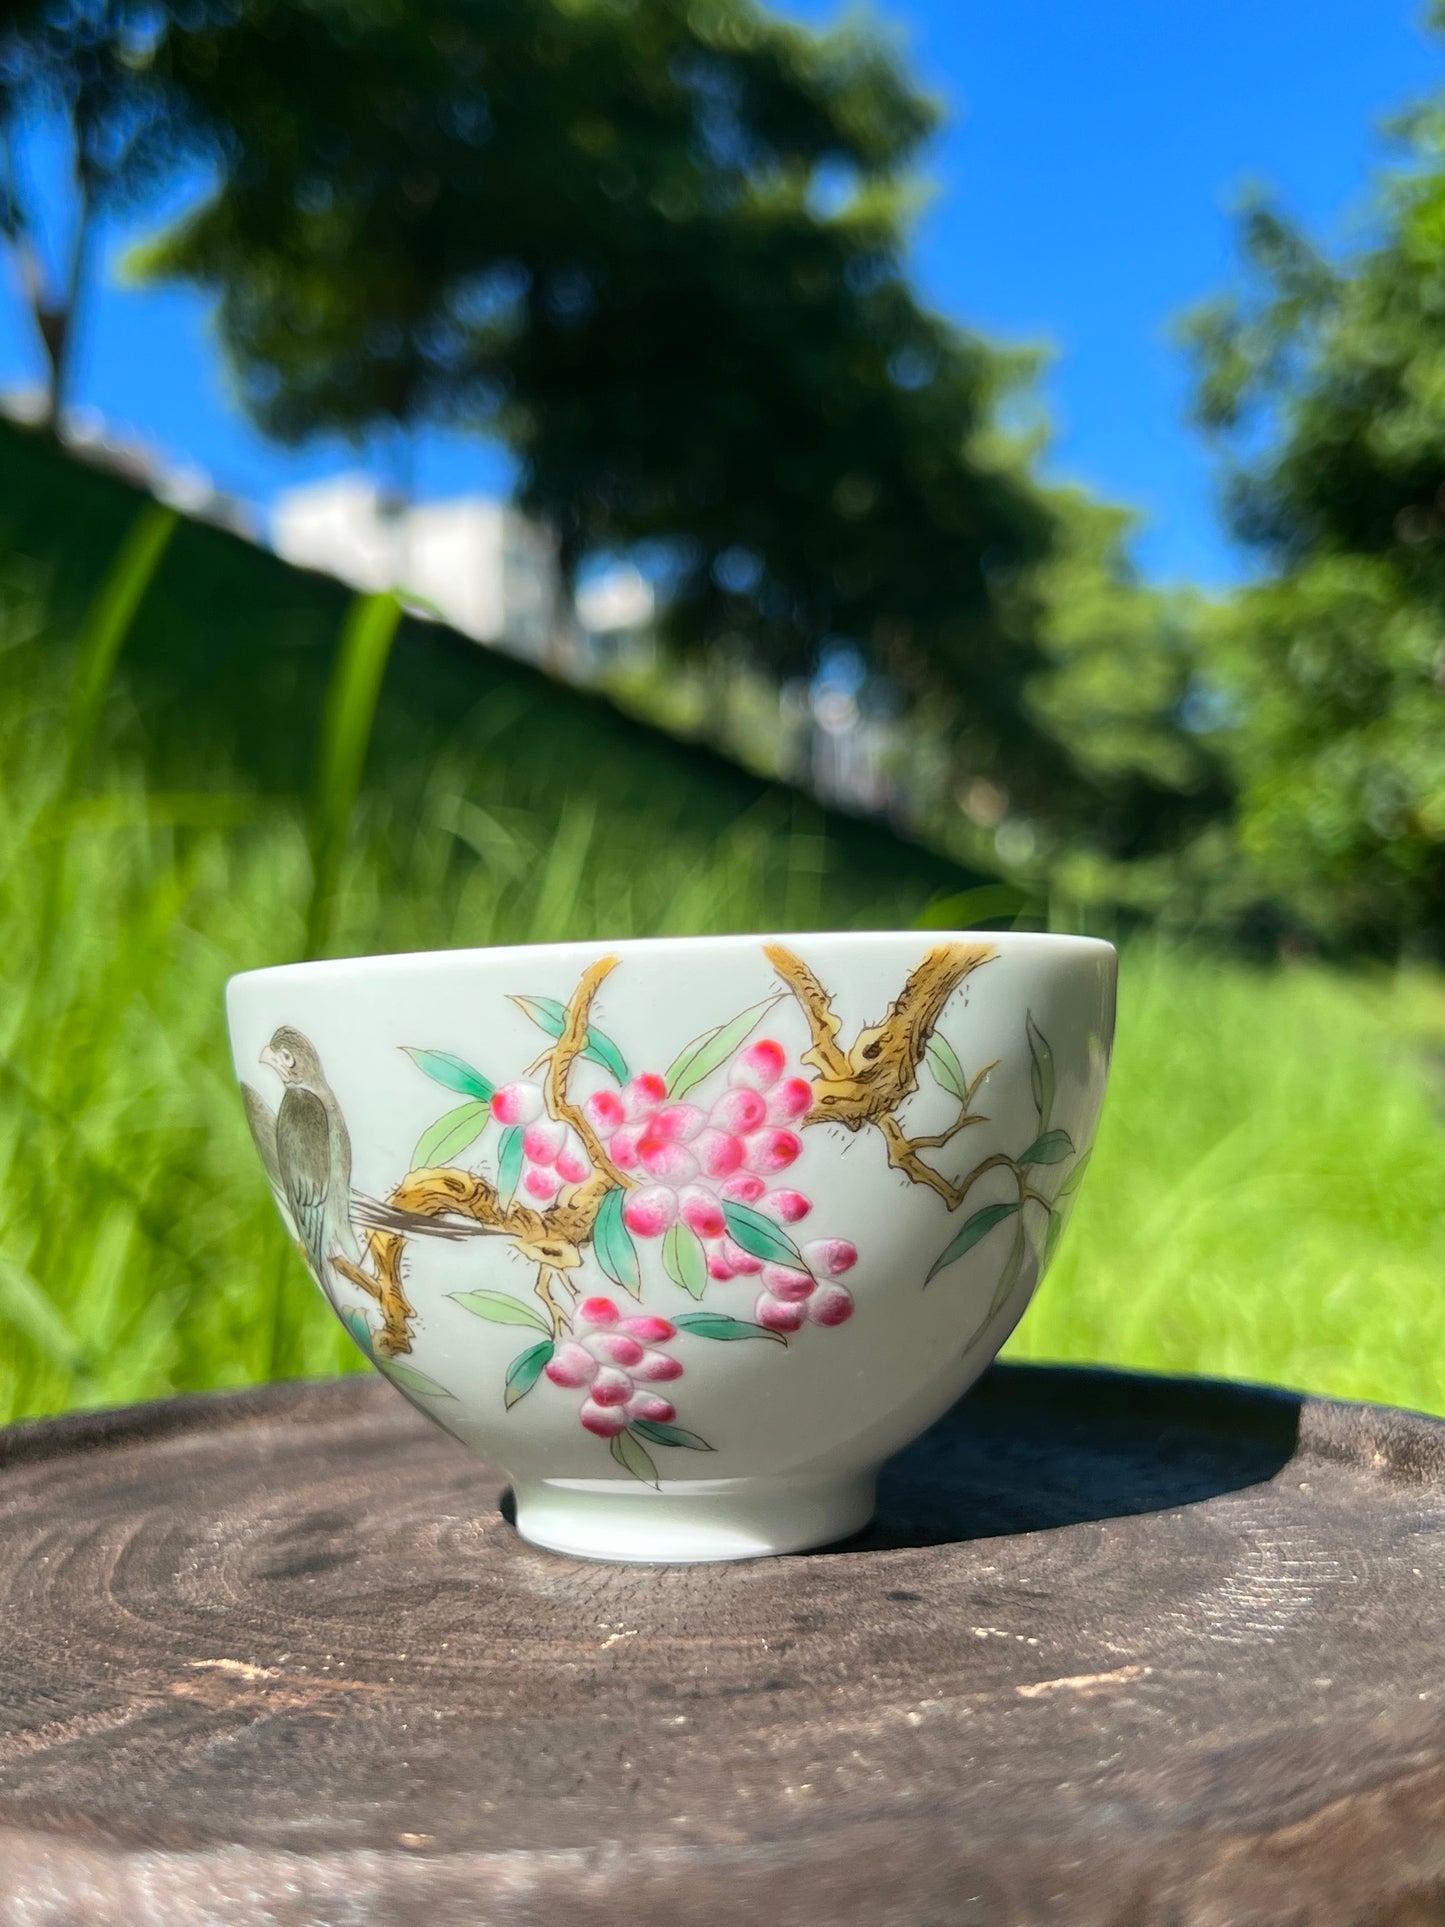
<point>545,1011</point>
<point>945,1066</point>
<point>1052,1148</point>
<point>761,1237</point>
<point>1007,1279</point>
<point>1053,1234</point>
<point>705,1054</point>
<point>612,1243</point>
<point>510,1159</point>
<point>632,1455</point>
<point>1076,1177</point>
<point>525,1369</point>
<point>498,1309</point>
<point>1041,1074</point>
<point>660,1434</point>
<point>602,1050</point>
<point>968,1235</point>
<point>684,1260</point>
<point>454,1072</point>
<point>359,1331</point>
<point>450,1135</point>
<point>411,1380</point>
<point>717,1324</point>
<point>551,1016</point>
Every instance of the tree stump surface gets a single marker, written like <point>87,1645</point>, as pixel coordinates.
<point>1118,1651</point>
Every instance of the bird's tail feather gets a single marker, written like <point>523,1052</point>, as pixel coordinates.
<point>370,1214</point>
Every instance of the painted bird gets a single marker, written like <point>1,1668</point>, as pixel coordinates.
<point>306,1150</point>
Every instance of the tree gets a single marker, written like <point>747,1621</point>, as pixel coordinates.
<point>87,68</point>
<point>1325,381</point>
<point>659,249</point>
<point>1123,687</point>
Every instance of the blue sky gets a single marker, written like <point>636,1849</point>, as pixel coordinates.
<point>1080,198</point>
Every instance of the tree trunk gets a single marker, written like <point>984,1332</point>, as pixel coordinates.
<point>53,308</point>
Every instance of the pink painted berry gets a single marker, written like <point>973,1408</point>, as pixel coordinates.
<point>606,1111</point>
<point>718,1153</point>
<point>648,1405</point>
<point>643,1094</point>
<point>786,1206</point>
<point>700,1210</point>
<point>654,1367</point>
<point>831,1305</point>
<point>572,1168</point>
<point>768,1151</point>
<point>830,1257</point>
<point>540,1183</point>
<point>611,1387</point>
<point>623,1148</point>
<point>741,1261</point>
<point>790,1101</point>
<point>740,1110</point>
<point>517,1103</point>
<point>648,1212</point>
<point>606,1421</point>
<point>718,1268</point>
<point>571,1364</point>
<point>777,1315</point>
<point>617,1348</point>
<point>651,1331</point>
<point>758,1067</point>
<point>786,1283</point>
<point>616,1361</point>
<point>661,1158</point>
<point>680,1122</point>
<point>543,1140</point>
<point>745,1188</point>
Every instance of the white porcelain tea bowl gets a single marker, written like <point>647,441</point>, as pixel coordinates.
<point>689,1235</point>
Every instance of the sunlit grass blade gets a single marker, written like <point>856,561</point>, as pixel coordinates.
<point>346,726</point>
<point>986,903</point>
<point>106,626</point>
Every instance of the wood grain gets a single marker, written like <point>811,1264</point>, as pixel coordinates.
<point>1119,1652</point>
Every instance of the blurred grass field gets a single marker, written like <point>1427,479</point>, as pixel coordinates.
<point>1267,1199</point>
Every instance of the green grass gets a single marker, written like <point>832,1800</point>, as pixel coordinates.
<point>1267,1199</point>
<point>139,1252</point>
<point>138,1247</point>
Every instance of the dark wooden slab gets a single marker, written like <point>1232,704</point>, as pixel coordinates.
<point>1119,1652</point>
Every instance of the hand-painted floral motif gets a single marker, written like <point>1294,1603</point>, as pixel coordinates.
<point>685,1169</point>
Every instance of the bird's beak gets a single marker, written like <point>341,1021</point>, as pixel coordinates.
<point>268,1058</point>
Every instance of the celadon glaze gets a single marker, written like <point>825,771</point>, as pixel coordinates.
<point>687,1235</point>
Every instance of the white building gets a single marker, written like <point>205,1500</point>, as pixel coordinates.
<point>477,564</point>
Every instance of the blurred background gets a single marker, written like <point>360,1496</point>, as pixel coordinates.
<point>479,471</point>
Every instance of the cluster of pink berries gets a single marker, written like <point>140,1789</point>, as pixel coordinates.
<point>700,1160</point>
<point>789,1296</point>
<point>552,1153</point>
<point>615,1359</point>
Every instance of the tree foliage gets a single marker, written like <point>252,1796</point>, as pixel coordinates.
<point>1122,685</point>
<point>658,247</point>
<point>89,67</point>
<point>659,250</point>
<point>1325,380</point>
